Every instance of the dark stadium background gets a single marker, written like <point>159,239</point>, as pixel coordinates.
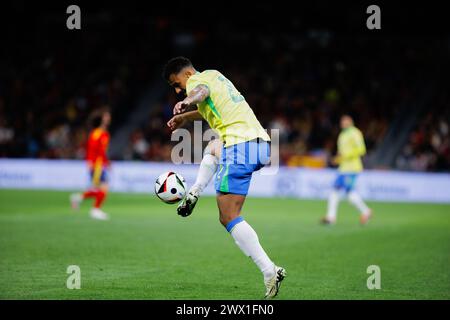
<point>300,66</point>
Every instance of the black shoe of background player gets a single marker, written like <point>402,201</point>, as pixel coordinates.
<point>326,221</point>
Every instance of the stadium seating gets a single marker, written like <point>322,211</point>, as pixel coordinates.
<point>297,82</point>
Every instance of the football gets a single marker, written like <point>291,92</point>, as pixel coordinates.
<point>170,187</point>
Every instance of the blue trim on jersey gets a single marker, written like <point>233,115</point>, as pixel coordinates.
<point>232,223</point>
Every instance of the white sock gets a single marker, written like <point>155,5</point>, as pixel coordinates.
<point>208,168</point>
<point>333,201</point>
<point>247,240</point>
<point>358,202</point>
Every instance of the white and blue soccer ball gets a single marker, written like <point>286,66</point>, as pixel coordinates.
<point>170,187</point>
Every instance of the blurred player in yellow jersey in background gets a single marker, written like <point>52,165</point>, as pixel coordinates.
<point>351,148</point>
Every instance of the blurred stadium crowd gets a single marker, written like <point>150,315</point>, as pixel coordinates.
<point>298,81</point>
<point>428,146</point>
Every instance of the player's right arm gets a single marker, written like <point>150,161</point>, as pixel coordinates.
<point>103,146</point>
<point>356,148</point>
<point>179,120</point>
<point>195,96</point>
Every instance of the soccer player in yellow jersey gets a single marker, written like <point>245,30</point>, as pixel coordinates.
<point>351,148</point>
<point>245,149</point>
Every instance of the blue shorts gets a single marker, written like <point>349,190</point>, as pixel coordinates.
<point>237,164</point>
<point>345,181</point>
<point>98,176</point>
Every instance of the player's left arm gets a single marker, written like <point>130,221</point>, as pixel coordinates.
<point>357,148</point>
<point>104,144</point>
<point>361,145</point>
<point>179,120</point>
<point>195,96</point>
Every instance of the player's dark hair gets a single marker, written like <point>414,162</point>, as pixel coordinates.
<point>96,118</point>
<point>96,121</point>
<point>174,66</point>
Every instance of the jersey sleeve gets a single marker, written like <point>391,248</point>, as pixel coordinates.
<point>104,142</point>
<point>360,144</point>
<point>195,80</point>
<point>356,148</point>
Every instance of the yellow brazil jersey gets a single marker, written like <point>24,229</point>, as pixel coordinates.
<point>226,110</point>
<point>351,148</point>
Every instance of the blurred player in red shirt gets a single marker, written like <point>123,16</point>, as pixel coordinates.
<point>98,163</point>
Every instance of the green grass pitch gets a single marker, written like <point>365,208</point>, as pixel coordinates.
<point>146,251</point>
